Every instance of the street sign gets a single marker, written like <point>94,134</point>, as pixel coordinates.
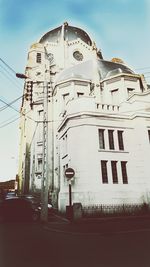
<point>69,173</point>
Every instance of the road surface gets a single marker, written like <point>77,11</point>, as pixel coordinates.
<point>32,245</point>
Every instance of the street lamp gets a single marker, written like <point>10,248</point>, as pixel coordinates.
<point>21,76</point>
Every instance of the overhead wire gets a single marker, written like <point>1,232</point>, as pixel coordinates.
<point>14,72</point>
<point>34,134</point>
<point>9,77</point>
<point>143,68</point>
<point>9,104</point>
<point>21,115</point>
<point>9,119</point>
<point>8,66</point>
<point>6,124</point>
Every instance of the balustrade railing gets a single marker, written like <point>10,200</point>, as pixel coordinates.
<point>107,107</point>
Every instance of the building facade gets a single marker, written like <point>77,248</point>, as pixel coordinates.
<point>84,112</point>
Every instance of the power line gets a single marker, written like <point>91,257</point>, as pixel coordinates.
<point>88,116</point>
<point>143,68</point>
<point>8,66</point>
<point>9,104</point>
<point>34,133</point>
<point>6,124</point>
<point>146,72</point>
<point>8,120</point>
<point>10,77</point>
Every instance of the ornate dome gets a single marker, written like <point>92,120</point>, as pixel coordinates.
<point>70,33</point>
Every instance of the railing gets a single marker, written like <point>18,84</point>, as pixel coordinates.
<point>107,107</point>
<point>115,210</point>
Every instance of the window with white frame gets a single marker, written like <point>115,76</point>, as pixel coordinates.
<point>111,139</point>
<point>104,171</point>
<point>114,172</point>
<point>120,140</point>
<point>124,172</point>
<point>101,139</point>
<point>149,135</point>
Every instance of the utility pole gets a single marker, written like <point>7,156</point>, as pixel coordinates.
<point>45,179</point>
<point>45,182</point>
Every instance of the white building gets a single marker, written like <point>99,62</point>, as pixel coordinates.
<point>98,123</point>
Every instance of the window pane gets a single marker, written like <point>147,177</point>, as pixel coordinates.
<point>149,135</point>
<point>114,172</point>
<point>124,172</point>
<point>111,139</point>
<point>101,139</point>
<point>120,140</point>
<point>38,58</point>
<point>104,171</point>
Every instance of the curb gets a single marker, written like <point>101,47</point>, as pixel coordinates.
<point>100,233</point>
<point>100,226</point>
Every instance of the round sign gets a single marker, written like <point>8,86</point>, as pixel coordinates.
<point>69,172</point>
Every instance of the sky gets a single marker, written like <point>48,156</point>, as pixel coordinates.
<point>120,29</point>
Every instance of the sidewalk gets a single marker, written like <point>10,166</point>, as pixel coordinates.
<point>111,225</point>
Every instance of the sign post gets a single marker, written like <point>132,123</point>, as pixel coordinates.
<point>69,173</point>
<point>70,194</point>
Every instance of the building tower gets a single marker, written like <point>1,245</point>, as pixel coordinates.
<point>96,111</point>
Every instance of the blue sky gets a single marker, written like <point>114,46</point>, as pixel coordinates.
<point>120,28</point>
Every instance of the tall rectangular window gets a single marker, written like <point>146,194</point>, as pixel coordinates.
<point>114,172</point>
<point>124,172</point>
<point>38,57</point>
<point>104,171</point>
<point>120,140</point>
<point>111,139</point>
<point>149,135</point>
<point>101,139</point>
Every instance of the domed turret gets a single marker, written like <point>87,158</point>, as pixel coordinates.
<point>69,33</point>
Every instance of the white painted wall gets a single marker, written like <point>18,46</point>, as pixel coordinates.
<point>75,122</point>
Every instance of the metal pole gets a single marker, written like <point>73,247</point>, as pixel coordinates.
<point>45,181</point>
<point>70,195</point>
